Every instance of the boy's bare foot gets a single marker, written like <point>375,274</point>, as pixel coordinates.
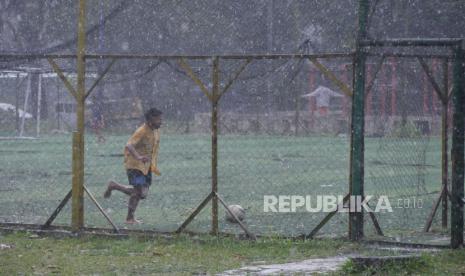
<point>133,221</point>
<point>107,193</point>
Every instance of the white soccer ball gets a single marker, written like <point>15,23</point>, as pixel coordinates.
<point>237,210</point>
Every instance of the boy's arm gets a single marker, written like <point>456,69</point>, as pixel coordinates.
<point>134,140</point>
<point>136,155</point>
<point>154,168</point>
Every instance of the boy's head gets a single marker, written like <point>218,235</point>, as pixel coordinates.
<point>153,118</point>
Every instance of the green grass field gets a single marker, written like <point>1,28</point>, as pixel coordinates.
<point>30,254</point>
<point>36,175</point>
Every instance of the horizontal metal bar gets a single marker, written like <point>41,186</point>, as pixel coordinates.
<point>413,42</point>
<point>35,56</point>
<point>63,230</point>
<point>200,57</point>
<point>401,55</point>
<point>288,56</point>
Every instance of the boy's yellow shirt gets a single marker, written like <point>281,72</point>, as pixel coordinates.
<point>146,142</point>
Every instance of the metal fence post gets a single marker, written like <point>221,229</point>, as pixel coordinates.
<point>357,128</point>
<point>458,101</point>
<point>444,144</point>
<point>215,96</point>
<point>77,220</point>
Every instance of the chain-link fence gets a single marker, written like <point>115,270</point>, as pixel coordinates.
<point>18,118</point>
<point>184,154</point>
<point>274,138</point>
<point>279,140</point>
<point>281,143</point>
<point>405,132</point>
<point>35,167</point>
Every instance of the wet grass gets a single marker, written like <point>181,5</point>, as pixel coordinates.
<point>181,255</point>
<point>30,254</point>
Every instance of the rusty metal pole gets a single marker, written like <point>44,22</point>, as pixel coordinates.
<point>445,161</point>
<point>215,96</point>
<point>77,219</point>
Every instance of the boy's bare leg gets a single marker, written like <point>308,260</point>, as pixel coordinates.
<point>132,205</point>
<point>112,185</point>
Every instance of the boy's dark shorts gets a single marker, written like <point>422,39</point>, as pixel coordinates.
<point>137,178</point>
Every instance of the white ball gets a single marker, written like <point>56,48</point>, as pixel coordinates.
<point>237,210</point>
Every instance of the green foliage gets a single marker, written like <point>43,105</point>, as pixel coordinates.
<point>349,268</point>
<point>410,267</point>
